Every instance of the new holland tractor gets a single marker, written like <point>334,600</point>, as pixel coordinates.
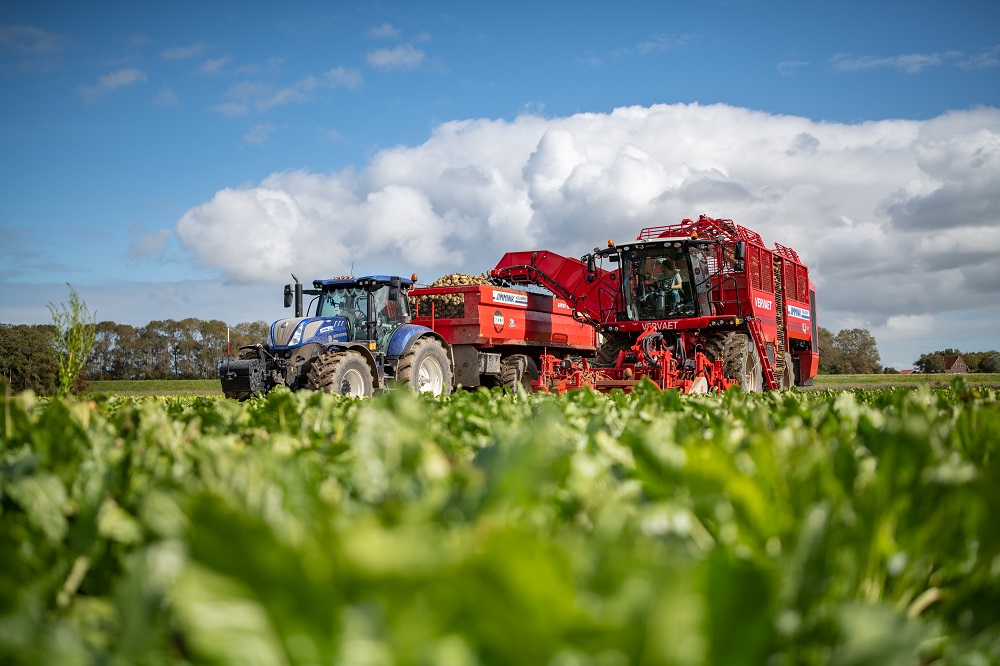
<point>358,340</point>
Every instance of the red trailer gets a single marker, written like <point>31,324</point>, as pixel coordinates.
<point>499,336</point>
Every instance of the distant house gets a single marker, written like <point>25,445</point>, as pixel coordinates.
<point>906,372</point>
<point>955,364</point>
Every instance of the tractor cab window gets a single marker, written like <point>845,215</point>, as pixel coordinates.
<point>349,302</point>
<point>390,311</point>
<point>658,282</point>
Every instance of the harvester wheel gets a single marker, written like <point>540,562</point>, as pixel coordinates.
<point>607,352</point>
<point>742,362</point>
<point>425,368</point>
<point>517,369</point>
<point>788,374</point>
<point>341,372</point>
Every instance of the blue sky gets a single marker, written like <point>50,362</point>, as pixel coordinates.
<point>181,160</point>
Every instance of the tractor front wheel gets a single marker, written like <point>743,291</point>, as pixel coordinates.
<point>425,368</point>
<point>341,372</point>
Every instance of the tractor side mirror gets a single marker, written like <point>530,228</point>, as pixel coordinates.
<point>288,296</point>
<point>394,285</point>
<point>591,268</point>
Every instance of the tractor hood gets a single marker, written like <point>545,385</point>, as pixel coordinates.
<point>301,330</point>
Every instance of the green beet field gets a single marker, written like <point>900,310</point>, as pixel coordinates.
<point>820,527</point>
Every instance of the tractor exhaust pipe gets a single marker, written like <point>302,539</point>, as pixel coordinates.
<point>298,296</point>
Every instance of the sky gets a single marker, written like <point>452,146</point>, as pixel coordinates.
<point>174,160</point>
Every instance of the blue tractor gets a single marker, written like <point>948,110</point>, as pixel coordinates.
<point>359,340</point>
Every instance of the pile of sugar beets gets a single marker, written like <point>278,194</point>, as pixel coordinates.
<point>449,306</point>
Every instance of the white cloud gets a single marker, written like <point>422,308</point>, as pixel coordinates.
<point>31,41</point>
<point>791,67</point>
<point>914,63</point>
<point>259,134</point>
<point>106,84</point>
<point>262,95</point>
<point>166,97</point>
<point>384,31</point>
<point>405,56</point>
<point>183,52</point>
<point>213,66</point>
<point>895,219</point>
<point>143,244</point>
<point>659,43</point>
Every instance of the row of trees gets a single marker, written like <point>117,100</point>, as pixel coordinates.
<point>853,351</point>
<point>191,348</point>
<point>186,349</point>
<point>987,361</point>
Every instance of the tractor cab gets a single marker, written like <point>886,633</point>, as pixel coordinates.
<point>373,307</point>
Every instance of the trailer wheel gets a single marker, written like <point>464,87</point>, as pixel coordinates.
<point>341,372</point>
<point>740,360</point>
<point>517,369</point>
<point>425,368</point>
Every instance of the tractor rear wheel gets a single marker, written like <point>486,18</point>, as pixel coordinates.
<point>341,372</point>
<point>425,368</point>
<point>515,370</point>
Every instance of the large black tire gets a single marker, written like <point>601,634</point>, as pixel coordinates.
<point>740,360</point>
<point>341,372</point>
<point>425,368</point>
<point>607,352</point>
<point>515,370</point>
<point>787,379</point>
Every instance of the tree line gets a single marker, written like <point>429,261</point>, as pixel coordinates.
<point>854,352</point>
<point>987,361</point>
<point>191,349</point>
<point>169,349</point>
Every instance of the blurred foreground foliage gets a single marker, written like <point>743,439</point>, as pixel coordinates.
<point>788,528</point>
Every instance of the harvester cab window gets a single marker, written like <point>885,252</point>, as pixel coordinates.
<point>659,282</point>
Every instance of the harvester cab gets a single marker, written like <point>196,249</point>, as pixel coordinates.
<point>662,279</point>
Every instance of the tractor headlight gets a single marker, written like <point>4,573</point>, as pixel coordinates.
<point>297,335</point>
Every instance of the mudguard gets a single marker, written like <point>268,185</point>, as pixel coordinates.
<point>403,338</point>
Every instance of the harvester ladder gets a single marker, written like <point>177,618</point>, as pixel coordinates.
<point>779,311</point>
<point>757,333</point>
